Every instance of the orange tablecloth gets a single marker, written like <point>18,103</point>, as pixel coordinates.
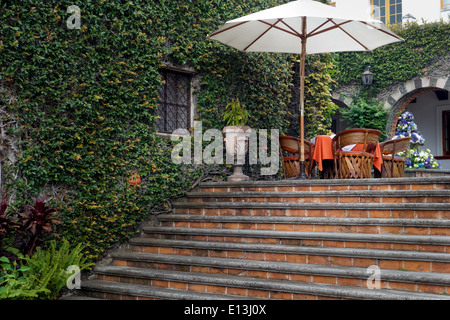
<point>323,150</point>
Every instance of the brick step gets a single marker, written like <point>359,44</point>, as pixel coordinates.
<point>310,224</point>
<point>350,210</point>
<point>125,291</point>
<point>342,196</point>
<point>262,288</point>
<point>390,184</point>
<point>79,296</point>
<point>331,256</point>
<point>332,239</point>
<point>352,276</point>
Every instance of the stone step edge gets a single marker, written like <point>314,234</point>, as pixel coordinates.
<point>268,284</point>
<point>300,235</point>
<point>415,277</point>
<point>400,222</point>
<point>289,249</point>
<point>328,194</point>
<point>312,205</point>
<point>153,292</point>
<point>328,182</point>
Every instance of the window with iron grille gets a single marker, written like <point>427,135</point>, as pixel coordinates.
<point>174,102</point>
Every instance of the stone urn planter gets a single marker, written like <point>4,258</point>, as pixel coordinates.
<point>236,138</point>
<point>236,146</point>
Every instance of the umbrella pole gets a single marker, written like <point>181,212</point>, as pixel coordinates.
<point>302,104</point>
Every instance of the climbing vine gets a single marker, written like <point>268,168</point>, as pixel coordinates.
<point>81,104</point>
<point>318,104</point>
<point>424,47</point>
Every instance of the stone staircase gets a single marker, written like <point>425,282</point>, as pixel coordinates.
<point>291,239</point>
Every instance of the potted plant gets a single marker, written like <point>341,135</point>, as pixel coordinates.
<point>236,137</point>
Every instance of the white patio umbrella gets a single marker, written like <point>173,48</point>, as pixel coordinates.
<point>304,27</point>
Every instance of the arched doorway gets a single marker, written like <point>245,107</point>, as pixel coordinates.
<point>428,100</point>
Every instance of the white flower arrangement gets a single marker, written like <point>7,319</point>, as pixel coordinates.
<point>422,159</point>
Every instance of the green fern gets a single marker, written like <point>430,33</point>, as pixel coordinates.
<point>14,284</point>
<point>43,275</point>
<point>50,266</point>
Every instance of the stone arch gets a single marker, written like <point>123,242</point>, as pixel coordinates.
<point>340,99</point>
<point>406,93</point>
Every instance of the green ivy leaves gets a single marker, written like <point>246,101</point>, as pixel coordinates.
<point>84,102</point>
<point>399,62</point>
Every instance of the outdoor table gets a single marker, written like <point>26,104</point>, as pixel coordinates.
<point>323,150</point>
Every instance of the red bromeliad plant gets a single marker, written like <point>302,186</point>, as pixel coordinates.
<point>4,220</point>
<point>7,223</point>
<point>38,219</point>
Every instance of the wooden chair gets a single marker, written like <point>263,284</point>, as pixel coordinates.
<point>354,164</point>
<point>393,166</point>
<point>290,156</point>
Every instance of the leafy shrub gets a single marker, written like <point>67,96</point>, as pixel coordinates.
<point>43,275</point>
<point>367,114</point>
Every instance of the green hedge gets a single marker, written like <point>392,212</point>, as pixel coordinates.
<point>82,103</point>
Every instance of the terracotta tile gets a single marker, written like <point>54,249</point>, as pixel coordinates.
<point>361,262</point>
<point>281,295</point>
<point>417,231</point>
<point>299,296</point>
<point>275,256</point>
<point>178,285</point>
<point>402,286</point>
<point>324,228</point>
<point>422,266</point>
<point>341,261</point>
<point>258,293</point>
<point>321,279</point>
<point>237,291</point>
<point>390,264</point>
<point>432,289</point>
<point>296,258</point>
<point>301,277</point>
<point>303,227</point>
<point>296,212</point>
<point>349,282</point>
<point>440,267</point>
<point>323,260</point>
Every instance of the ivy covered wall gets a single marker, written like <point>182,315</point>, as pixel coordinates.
<point>78,105</point>
<point>425,52</point>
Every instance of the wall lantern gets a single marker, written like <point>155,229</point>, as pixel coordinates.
<point>367,77</point>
